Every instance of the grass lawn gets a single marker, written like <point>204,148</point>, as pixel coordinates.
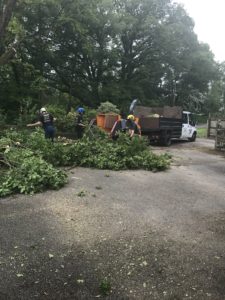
<point>202,132</point>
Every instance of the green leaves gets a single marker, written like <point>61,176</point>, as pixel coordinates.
<point>31,159</point>
<point>27,171</point>
<point>92,51</point>
<point>107,107</point>
<point>34,175</point>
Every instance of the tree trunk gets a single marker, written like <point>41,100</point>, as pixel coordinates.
<point>5,16</point>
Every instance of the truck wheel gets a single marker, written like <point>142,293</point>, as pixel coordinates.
<point>193,138</point>
<point>167,141</point>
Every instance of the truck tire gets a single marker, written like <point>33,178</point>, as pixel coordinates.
<point>193,138</point>
<point>165,141</point>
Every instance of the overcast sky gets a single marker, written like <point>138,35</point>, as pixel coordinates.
<point>209,17</point>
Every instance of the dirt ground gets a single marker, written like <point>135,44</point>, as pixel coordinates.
<point>146,235</point>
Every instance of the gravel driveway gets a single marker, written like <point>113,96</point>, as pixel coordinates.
<point>147,235</point>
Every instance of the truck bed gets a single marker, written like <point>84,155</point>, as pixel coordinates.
<point>157,125</point>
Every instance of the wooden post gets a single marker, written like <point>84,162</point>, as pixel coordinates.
<point>216,137</point>
<point>209,126</point>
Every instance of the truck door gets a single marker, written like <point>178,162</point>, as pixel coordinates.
<point>186,127</point>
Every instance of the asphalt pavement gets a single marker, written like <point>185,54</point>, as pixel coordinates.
<point>128,235</point>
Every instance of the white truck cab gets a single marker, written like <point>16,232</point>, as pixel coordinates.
<point>189,130</point>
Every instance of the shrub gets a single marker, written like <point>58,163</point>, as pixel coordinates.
<point>90,114</point>
<point>107,107</point>
<point>33,159</point>
<point>24,170</point>
<point>34,175</point>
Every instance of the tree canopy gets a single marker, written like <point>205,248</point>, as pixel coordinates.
<point>94,51</point>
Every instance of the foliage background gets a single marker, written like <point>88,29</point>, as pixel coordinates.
<point>85,52</point>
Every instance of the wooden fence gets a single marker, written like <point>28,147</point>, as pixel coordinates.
<point>220,135</point>
<point>216,130</point>
<point>211,127</point>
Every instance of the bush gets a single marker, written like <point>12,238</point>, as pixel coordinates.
<point>90,114</point>
<point>33,159</point>
<point>24,170</point>
<point>64,122</point>
<point>120,155</point>
<point>32,176</point>
<point>200,119</point>
<point>107,107</point>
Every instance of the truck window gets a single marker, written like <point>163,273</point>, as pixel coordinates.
<point>185,119</point>
<point>191,120</point>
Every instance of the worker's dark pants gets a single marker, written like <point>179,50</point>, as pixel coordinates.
<point>79,131</point>
<point>50,133</point>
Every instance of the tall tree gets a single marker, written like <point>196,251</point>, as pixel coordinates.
<point>98,50</point>
<point>6,11</point>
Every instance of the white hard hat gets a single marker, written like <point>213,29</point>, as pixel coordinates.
<point>42,110</point>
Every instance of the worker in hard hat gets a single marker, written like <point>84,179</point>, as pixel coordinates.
<point>132,126</point>
<point>125,125</point>
<point>79,124</point>
<point>119,126</point>
<point>46,121</point>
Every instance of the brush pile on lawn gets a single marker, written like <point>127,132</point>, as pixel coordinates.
<point>30,163</point>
